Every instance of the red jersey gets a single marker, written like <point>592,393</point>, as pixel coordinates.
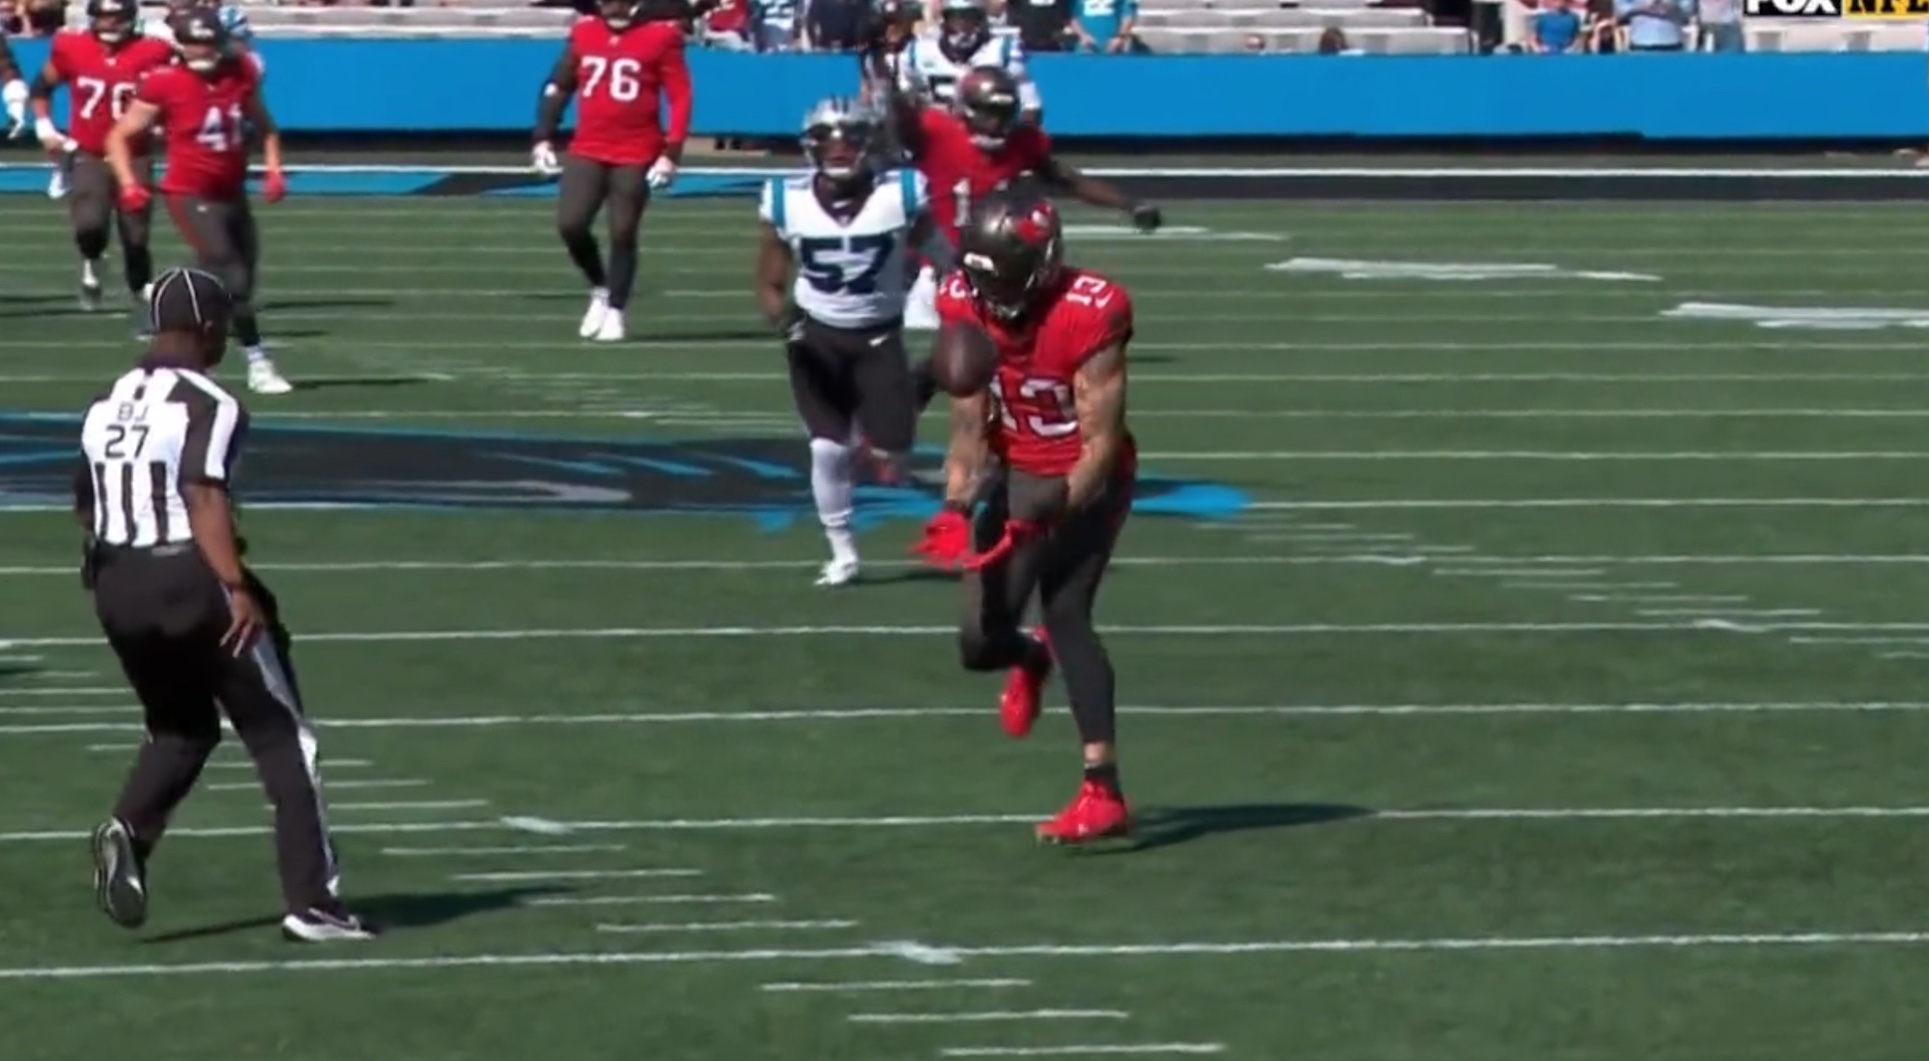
<point>204,123</point>
<point>623,77</point>
<point>960,172</point>
<point>1034,424</point>
<point>100,81</point>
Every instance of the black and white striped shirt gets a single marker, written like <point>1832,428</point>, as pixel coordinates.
<point>158,430</point>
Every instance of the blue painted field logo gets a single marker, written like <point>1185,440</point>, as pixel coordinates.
<point>762,479</point>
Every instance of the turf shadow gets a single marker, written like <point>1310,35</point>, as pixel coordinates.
<point>397,912</point>
<point>1168,826</point>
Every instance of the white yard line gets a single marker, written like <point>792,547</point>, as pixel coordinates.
<point>332,786</point>
<point>481,375</point>
<point>1733,613</point>
<point>672,900</point>
<point>1521,572</point>
<point>861,714</point>
<point>576,874</point>
<point>1233,948</point>
<point>410,805</point>
<point>104,690</point>
<point>1661,598</point>
<point>1395,816</point>
<point>837,987</point>
<point>988,1016</point>
<point>507,849</point>
<point>727,926</point>
<point>1225,630</point>
<point>1586,587</point>
<point>1083,1050</point>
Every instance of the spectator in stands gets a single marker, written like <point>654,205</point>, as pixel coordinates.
<point>1255,43</point>
<point>775,22</point>
<point>1603,28</point>
<point>727,26</point>
<point>1332,41</point>
<point>32,18</point>
<point>1556,29</point>
<point>1105,25</point>
<point>1043,25</point>
<point>1656,25</point>
<point>835,25</point>
<point>1721,28</point>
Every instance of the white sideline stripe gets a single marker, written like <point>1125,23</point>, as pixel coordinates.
<point>1079,1049</point>
<point>974,820</point>
<point>577,874</point>
<point>677,900</point>
<point>730,926</point>
<point>623,632</point>
<point>1032,950</point>
<point>510,849</point>
<point>852,714</point>
<point>332,786</point>
<point>893,985</point>
<point>988,1016</point>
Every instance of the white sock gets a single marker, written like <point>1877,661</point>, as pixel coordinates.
<point>257,354</point>
<point>90,272</point>
<point>831,486</point>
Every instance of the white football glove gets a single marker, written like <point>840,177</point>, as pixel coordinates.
<point>14,95</point>
<point>50,136</point>
<point>543,158</point>
<point>662,173</point>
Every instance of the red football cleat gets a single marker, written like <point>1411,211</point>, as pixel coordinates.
<point>1098,813</point>
<point>1024,693</point>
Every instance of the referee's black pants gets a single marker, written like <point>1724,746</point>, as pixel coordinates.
<point>164,613</point>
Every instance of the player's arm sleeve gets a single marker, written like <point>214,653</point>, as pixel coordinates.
<point>674,75</point>
<point>41,92</point>
<point>1098,396</point>
<point>555,94</point>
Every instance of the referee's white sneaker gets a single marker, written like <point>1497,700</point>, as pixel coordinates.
<point>611,330</point>
<point>263,377</point>
<point>318,925</point>
<point>599,307</point>
<point>120,886</point>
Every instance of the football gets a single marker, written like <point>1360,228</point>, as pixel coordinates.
<point>963,359</point>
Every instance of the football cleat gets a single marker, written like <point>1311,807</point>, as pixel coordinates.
<point>120,885</point>
<point>611,329</point>
<point>90,294</point>
<point>329,924</point>
<point>1096,813</point>
<point>599,307</point>
<point>840,572</point>
<point>263,378</point>
<point>1024,693</point>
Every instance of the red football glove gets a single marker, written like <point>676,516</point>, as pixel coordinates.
<point>947,539</point>
<point>274,187</point>
<point>1017,532</point>
<point>135,197</point>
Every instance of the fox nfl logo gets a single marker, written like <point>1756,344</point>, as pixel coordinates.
<point>1894,9</point>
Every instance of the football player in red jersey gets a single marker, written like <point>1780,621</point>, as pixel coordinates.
<point>206,108</point>
<point>621,72</point>
<point>1054,417</point>
<point>979,146</point>
<point>101,66</point>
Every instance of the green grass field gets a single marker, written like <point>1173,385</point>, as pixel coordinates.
<point>1558,696</point>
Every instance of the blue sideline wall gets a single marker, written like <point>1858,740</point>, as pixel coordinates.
<point>331,87</point>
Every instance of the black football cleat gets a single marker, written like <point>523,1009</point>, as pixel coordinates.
<point>120,884</point>
<point>325,924</point>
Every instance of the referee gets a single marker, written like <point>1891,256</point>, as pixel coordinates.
<point>197,634</point>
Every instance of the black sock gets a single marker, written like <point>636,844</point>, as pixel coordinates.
<point>588,258</point>
<point>622,274</point>
<point>138,265</point>
<point>246,329</point>
<point>1104,775</point>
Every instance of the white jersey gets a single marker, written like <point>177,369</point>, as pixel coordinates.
<point>848,275</point>
<point>925,67</point>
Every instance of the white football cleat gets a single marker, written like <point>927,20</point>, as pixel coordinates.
<point>264,379</point>
<point>599,308</point>
<point>90,292</point>
<point>921,303</point>
<point>611,330</point>
<point>839,572</point>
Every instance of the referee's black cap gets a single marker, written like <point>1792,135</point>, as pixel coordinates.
<point>188,300</point>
